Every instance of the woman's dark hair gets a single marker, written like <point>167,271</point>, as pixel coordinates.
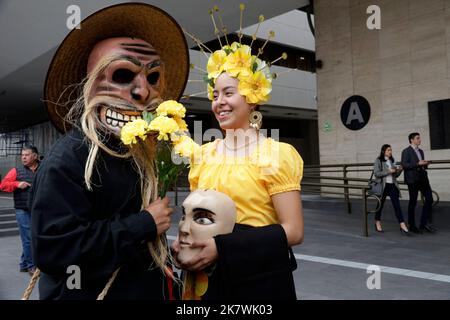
<point>383,150</point>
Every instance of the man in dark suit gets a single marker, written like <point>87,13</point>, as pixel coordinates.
<point>416,177</point>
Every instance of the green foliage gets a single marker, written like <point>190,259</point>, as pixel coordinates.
<point>148,116</point>
<point>168,171</point>
<point>254,66</point>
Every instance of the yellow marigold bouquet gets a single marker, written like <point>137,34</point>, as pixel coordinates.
<point>168,122</point>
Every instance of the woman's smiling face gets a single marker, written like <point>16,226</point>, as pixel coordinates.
<point>230,108</point>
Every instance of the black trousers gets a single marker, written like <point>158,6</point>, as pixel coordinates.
<point>392,191</point>
<point>414,188</point>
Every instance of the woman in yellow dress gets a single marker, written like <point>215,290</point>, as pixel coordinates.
<point>261,175</point>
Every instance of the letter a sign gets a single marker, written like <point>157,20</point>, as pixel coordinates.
<point>355,112</point>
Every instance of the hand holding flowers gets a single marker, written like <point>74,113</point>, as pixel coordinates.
<point>171,128</point>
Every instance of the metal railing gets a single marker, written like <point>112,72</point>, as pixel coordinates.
<point>363,193</point>
<point>436,198</point>
<point>314,172</point>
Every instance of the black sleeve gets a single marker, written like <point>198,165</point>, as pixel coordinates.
<point>255,264</point>
<point>423,157</point>
<point>65,233</point>
<point>407,161</point>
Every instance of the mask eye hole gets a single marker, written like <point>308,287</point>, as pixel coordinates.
<point>153,78</point>
<point>123,76</point>
<point>204,221</point>
<point>204,217</point>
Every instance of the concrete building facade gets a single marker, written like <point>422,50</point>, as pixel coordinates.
<point>398,68</point>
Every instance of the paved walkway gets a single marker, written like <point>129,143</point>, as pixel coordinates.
<point>334,257</point>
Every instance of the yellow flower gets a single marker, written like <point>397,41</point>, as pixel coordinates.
<point>234,46</point>
<point>244,48</point>
<point>174,137</point>
<point>239,62</point>
<point>171,108</point>
<point>262,66</point>
<point>210,92</point>
<point>215,64</point>
<point>164,126</point>
<point>255,88</point>
<point>182,126</point>
<point>133,130</point>
<point>186,147</point>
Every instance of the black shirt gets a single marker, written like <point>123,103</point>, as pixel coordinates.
<point>98,230</point>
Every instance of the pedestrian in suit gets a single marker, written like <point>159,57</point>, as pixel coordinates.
<point>386,172</point>
<point>416,177</point>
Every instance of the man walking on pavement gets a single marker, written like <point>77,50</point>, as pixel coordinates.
<point>416,177</point>
<point>19,180</point>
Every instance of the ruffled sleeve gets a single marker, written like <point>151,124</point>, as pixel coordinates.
<point>196,164</point>
<point>286,169</point>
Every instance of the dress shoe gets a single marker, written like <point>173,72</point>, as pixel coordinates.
<point>414,229</point>
<point>378,230</point>
<point>426,228</point>
<point>404,232</point>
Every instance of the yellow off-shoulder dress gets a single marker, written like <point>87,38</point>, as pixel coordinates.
<point>273,167</point>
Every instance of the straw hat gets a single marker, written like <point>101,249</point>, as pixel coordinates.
<point>138,20</point>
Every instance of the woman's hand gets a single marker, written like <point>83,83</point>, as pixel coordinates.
<point>207,256</point>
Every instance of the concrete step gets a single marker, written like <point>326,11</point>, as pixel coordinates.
<point>8,224</point>
<point>4,211</point>
<point>9,232</point>
<point>7,217</point>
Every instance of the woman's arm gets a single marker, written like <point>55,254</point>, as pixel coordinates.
<point>288,206</point>
<point>379,171</point>
<point>399,172</point>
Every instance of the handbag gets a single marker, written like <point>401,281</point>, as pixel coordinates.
<point>375,187</point>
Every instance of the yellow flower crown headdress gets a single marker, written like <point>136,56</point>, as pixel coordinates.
<point>236,59</point>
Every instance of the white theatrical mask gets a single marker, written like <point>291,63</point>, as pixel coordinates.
<point>206,213</point>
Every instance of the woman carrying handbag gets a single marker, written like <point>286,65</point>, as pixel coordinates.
<point>386,173</point>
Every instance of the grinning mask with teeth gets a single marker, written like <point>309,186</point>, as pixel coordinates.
<point>130,83</point>
<point>125,76</point>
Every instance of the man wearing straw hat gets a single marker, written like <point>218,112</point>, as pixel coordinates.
<point>94,205</point>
